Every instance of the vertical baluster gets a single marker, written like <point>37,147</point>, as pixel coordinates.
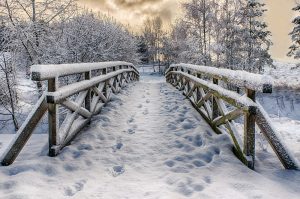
<point>215,111</point>
<point>53,119</point>
<point>87,76</point>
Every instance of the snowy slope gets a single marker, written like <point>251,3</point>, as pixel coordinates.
<point>27,97</point>
<point>148,143</point>
<point>286,75</point>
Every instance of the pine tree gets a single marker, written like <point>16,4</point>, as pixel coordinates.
<point>256,37</point>
<point>295,36</point>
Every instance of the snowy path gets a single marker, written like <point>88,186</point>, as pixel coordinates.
<point>147,143</point>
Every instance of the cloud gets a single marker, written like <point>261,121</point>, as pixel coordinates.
<point>134,12</point>
<point>134,3</point>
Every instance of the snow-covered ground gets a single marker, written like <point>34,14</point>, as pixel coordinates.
<point>148,142</point>
<point>286,75</point>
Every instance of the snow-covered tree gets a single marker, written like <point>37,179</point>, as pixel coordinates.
<point>295,36</point>
<point>256,37</point>
<point>198,14</point>
<point>8,91</point>
<point>229,33</point>
<point>153,34</point>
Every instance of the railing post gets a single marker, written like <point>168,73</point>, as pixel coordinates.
<point>104,72</point>
<point>249,131</point>
<point>53,119</point>
<point>215,110</point>
<point>88,76</point>
<point>198,90</point>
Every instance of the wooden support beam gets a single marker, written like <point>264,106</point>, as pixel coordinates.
<point>283,154</point>
<point>87,101</point>
<point>75,107</point>
<point>24,132</point>
<point>231,128</point>
<point>228,117</point>
<point>69,120</point>
<point>95,101</point>
<point>206,104</point>
<point>249,132</point>
<point>215,111</point>
<point>204,98</point>
<point>100,94</point>
<point>75,129</point>
<point>53,118</point>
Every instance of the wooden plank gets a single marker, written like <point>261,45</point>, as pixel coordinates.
<point>24,132</point>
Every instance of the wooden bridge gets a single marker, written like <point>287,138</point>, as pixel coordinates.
<point>209,89</point>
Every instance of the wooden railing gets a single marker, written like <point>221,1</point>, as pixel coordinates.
<point>82,99</point>
<point>207,89</point>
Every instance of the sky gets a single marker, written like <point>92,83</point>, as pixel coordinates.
<point>134,12</point>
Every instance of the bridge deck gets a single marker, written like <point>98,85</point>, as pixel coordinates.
<point>148,143</point>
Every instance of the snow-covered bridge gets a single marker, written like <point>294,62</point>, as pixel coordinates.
<point>149,141</point>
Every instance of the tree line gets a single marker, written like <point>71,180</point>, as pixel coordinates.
<point>230,34</point>
<point>54,32</point>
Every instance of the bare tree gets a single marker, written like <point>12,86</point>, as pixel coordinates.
<point>8,92</point>
<point>153,35</point>
<point>31,21</point>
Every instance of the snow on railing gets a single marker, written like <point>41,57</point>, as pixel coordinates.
<point>238,78</point>
<point>220,107</point>
<point>45,72</point>
<point>83,99</point>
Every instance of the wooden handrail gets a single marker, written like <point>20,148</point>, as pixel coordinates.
<point>238,78</point>
<point>45,72</point>
<point>90,95</point>
<point>209,99</point>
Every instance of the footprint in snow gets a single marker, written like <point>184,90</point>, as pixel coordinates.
<point>131,131</point>
<point>130,120</point>
<point>117,147</point>
<point>147,101</point>
<point>117,170</point>
<point>140,106</point>
<point>72,190</point>
<point>146,112</point>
